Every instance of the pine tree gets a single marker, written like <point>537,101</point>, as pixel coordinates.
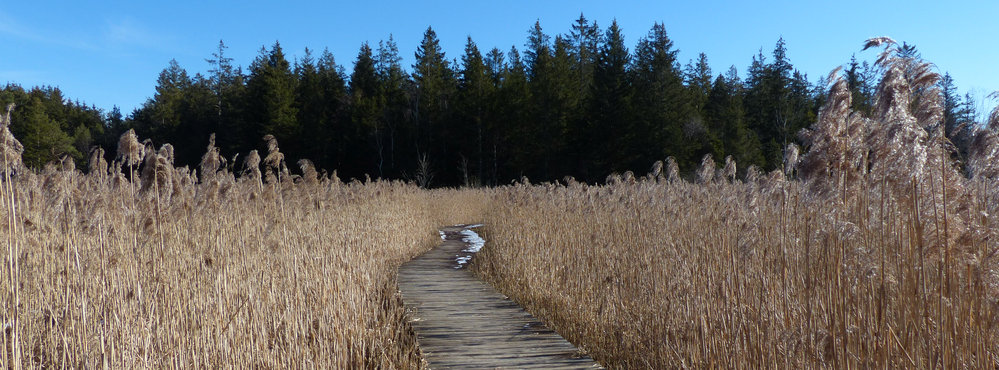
<point>609,106</point>
<point>435,86</point>
<point>859,84</point>
<point>397,111</point>
<point>165,106</point>
<point>198,120</point>
<point>698,136</point>
<point>475,93</point>
<point>660,102</point>
<point>585,38</point>
<point>496,126</point>
<point>222,77</point>
<point>310,105</point>
<point>778,103</point>
<point>698,77</point>
<point>270,101</point>
<point>228,86</point>
<point>333,110</point>
<point>41,136</point>
<point>724,112</point>
<point>554,98</point>
<point>366,109</point>
<point>958,123</point>
<point>514,94</point>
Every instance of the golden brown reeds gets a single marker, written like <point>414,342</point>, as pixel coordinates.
<point>881,256</point>
<point>107,282</point>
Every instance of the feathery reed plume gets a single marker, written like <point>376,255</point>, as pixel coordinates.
<point>753,174</point>
<point>309,174</point>
<point>628,177</point>
<point>251,166</point>
<point>166,151</point>
<point>211,160</point>
<point>613,179</point>
<point>10,148</point>
<point>157,173</point>
<point>729,171</point>
<point>66,164</point>
<point>97,165</point>
<point>271,142</point>
<point>672,170</point>
<point>908,143</point>
<point>656,173</point>
<point>118,179</point>
<point>148,174</point>
<point>877,42</point>
<point>836,141</point>
<point>993,122</point>
<point>129,149</point>
<point>790,159</point>
<point>983,159</point>
<point>274,161</point>
<point>706,172</point>
<point>164,178</point>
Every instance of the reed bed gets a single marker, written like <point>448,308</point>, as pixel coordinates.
<point>744,275</point>
<point>872,251</point>
<point>120,270</point>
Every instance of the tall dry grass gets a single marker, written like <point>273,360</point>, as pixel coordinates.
<point>747,275</point>
<point>152,268</point>
<point>880,255</point>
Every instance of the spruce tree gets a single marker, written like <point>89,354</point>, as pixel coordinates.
<point>165,107</point>
<point>270,101</point>
<point>435,86</point>
<point>778,103</point>
<point>724,112</point>
<point>608,109</point>
<point>310,106</point>
<point>41,136</point>
<point>396,113</point>
<point>660,102</point>
<point>514,94</point>
<point>475,94</point>
<point>333,106</point>
<point>365,113</point>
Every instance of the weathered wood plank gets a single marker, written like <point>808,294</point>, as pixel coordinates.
<point>462,322</point>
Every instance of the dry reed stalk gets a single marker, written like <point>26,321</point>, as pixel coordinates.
<point>274,161</point>
<point>706,172</point>
<point>211,161</point>
<point>10,148</point>
<point>251,166</point>
<point>322,294</point>
<point>878,258</point>
<point>10,153</point>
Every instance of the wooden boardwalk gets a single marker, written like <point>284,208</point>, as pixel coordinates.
<point>462,322</point>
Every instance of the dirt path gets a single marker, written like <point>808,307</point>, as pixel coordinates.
<point>462,322</point>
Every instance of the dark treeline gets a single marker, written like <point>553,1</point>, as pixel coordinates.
<point>579,104</point>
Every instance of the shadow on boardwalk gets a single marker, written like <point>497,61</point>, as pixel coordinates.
<point>462,322</point>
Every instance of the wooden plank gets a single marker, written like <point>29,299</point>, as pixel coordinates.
<point>462,322</point>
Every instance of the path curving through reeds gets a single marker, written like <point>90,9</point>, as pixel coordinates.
<point>462,322</point>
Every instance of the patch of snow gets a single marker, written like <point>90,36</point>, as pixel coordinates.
<point>475,242</point>
<point>474,226</point>
<point>462,260</point>
<point>443,237</point>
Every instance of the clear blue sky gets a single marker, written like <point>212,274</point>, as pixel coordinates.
<point>109,53</point>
